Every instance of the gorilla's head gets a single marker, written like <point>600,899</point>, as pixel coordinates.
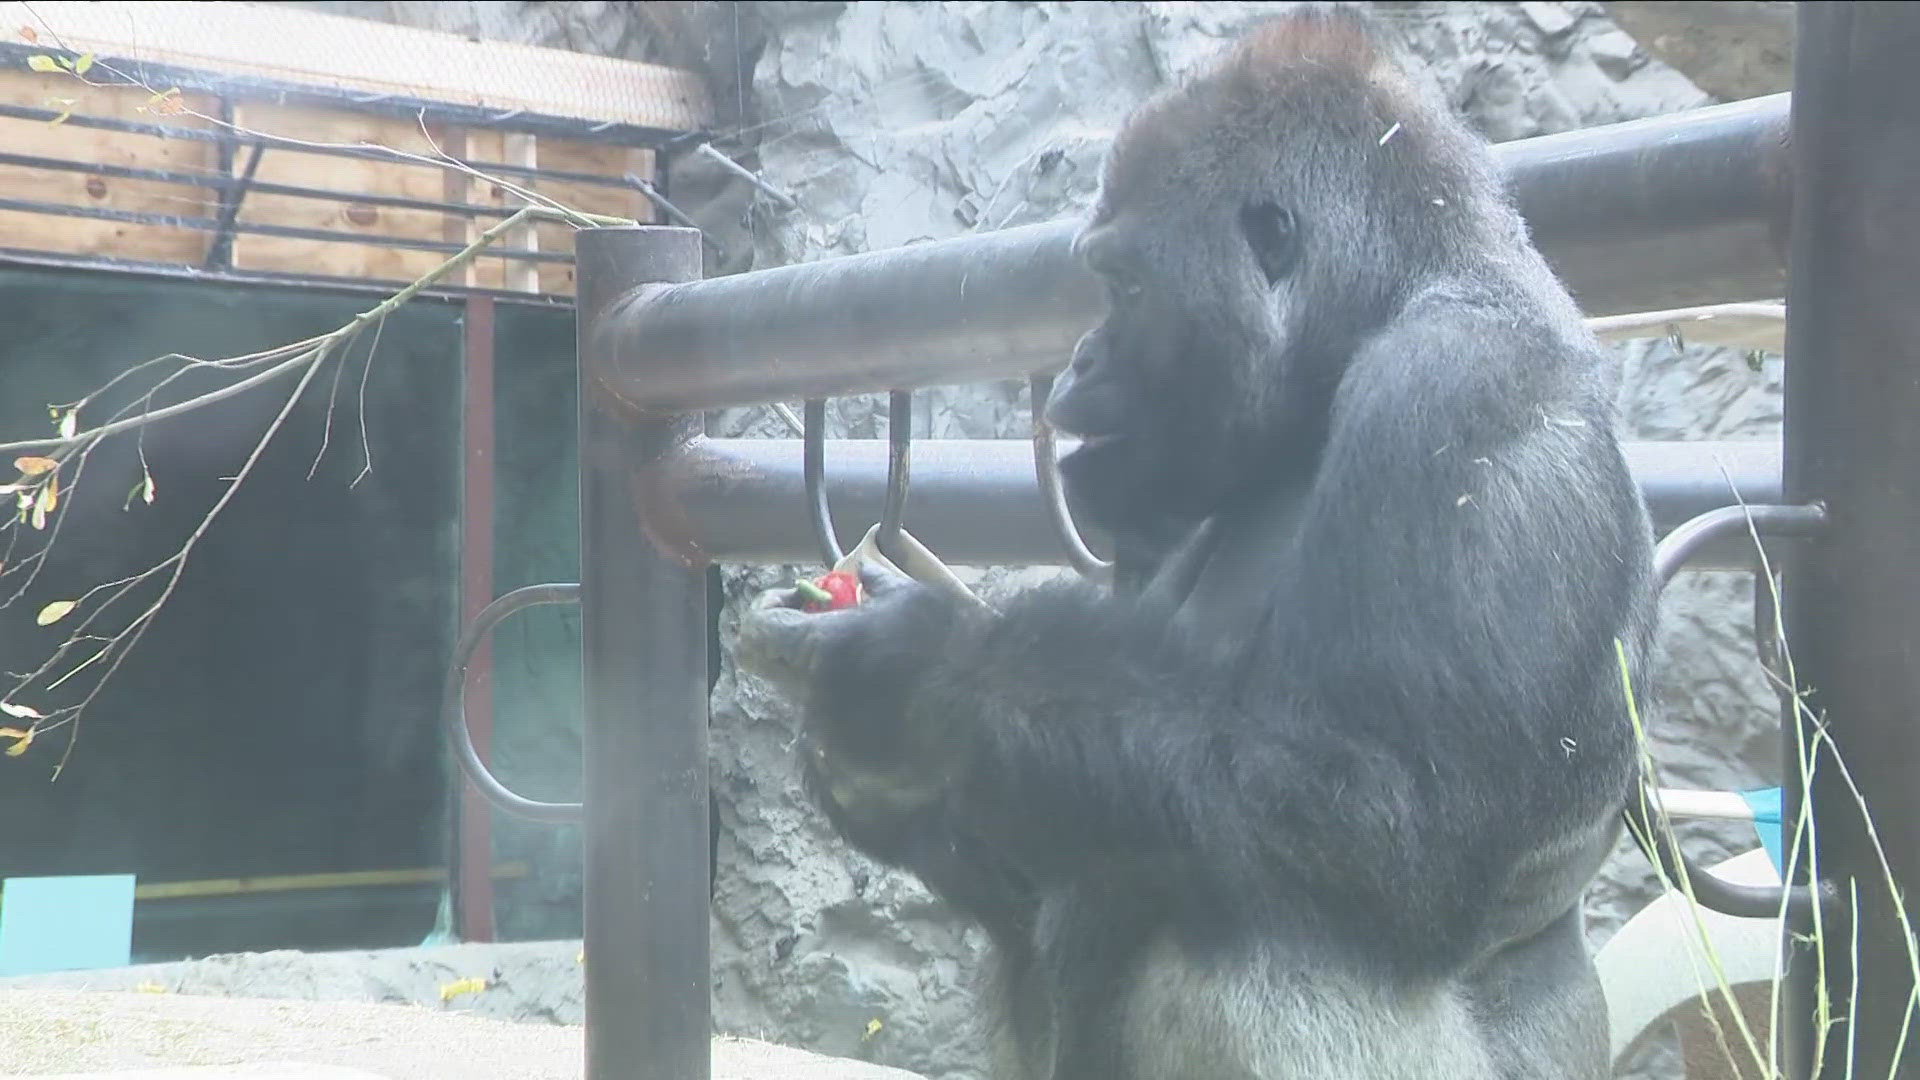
<point>1252,228</point>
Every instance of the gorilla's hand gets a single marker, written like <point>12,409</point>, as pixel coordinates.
<point>855,670</point>
<point>785,646</point>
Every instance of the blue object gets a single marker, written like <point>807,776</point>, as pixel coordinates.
<point>1765,804</point>
<point>65,923</point>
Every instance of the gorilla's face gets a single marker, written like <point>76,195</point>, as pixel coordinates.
<point>1169,392</point>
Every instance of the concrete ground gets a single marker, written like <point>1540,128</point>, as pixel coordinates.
<point>458,1012</point>
<point>109,1034</point>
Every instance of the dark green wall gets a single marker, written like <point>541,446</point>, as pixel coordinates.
<point>536,654</point>
<point>279,715</point>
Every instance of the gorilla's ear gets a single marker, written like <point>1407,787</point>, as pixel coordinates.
<point>1274,235</point>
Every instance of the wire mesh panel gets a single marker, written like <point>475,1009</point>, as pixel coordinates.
<point>276,142</point>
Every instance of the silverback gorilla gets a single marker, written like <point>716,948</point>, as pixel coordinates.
<point>1316,791</point>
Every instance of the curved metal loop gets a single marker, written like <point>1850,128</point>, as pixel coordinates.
<point>899,462</point>
<point>1678,547</point>
<point>1711,890</point>
<point>1046,469</point>
<point>453,705</point>
<point>813,443</point>
<point>1671,556</point>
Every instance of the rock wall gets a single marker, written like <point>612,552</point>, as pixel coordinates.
<point>895,123</point>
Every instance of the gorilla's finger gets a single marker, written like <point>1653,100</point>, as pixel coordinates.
<point>777,644</point>
<point>776,598</point>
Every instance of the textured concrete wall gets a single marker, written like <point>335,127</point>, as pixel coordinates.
<point>895,123</point>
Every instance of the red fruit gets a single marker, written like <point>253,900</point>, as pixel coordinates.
<point>842,591</point>
<point>835,590</point>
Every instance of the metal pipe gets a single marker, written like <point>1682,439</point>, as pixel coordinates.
<point>1852,443</point>
<point>1671,211</point>
<point>977,501</point>
<point>1053,494</point>
<point>813,465</point>
<point>1677,551</point>
<point>472,853</point>
<point>644,645</point>
<point>1656,213</point>
<point>459,735</point>
<point>893,508</point>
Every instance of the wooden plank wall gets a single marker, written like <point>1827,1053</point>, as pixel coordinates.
<point>93,237</point>
<point>419,181</point>
<point>66,235</point>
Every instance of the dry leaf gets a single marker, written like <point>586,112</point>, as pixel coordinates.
<point>38,516</point>
<point>50,493</point>
<point>20,712</point>
<point>69,422</point>
<point>55,611</point>
<point>167,102</point>
<point>23,739</point>
<point>150,988</point>
<point>34,466</point>
<point>449,991</point>
<point>29,35</point>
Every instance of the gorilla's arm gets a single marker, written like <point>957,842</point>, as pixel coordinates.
<point>1466,551</point>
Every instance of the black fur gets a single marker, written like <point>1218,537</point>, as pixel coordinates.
<point>1321,798</point>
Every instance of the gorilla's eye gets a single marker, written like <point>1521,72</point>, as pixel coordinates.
<point>1273,235</point>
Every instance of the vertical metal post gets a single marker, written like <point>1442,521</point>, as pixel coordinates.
<point>1853,441</point>
<point>472,856</point>
<point>644,640</point>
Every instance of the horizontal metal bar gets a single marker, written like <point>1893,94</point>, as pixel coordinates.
<point>274,142</point>
<point>1769,521</point>
<point>212,225</point>
<point>345,286</point>
<point>1676,210</point>
<point>1670,211</point>
<point>224,183</point>
<point>976,502</point>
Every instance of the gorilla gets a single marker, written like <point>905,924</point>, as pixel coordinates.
<point>1315,794</point>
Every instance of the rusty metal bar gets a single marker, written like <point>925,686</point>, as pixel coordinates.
<point>472,857</point>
